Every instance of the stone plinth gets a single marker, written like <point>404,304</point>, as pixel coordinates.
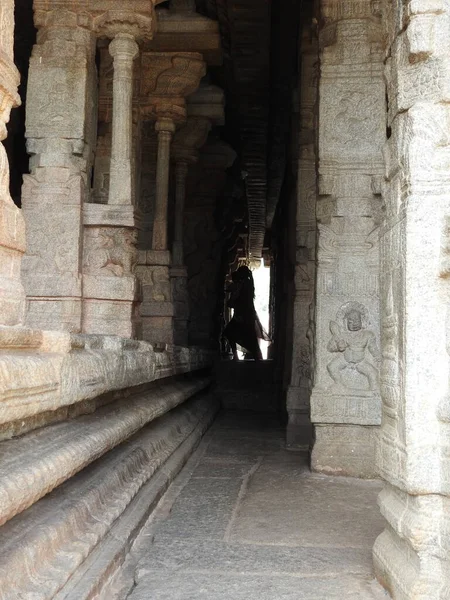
<point>351,135</point>
<point>180,296</point>
<point>157,310</point>
<point>110,288</point>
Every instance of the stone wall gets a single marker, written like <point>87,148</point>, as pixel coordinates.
<point>345,403</point>
<point>412,556</point>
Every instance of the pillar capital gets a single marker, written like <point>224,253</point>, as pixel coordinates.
<point>106,19</point>
<point>165,123</point>
<point>167,78</point>
<point>189,139</point>
<point>124,46</point>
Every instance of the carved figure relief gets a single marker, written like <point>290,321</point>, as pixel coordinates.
<point>354,344</point>
<point>160,285</point>
<point>110,252</point>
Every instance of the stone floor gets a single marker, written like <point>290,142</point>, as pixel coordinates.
<point>247,520</point>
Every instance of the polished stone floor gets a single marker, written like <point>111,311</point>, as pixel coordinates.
<point>247,520</point>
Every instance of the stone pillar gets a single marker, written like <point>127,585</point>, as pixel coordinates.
<point>124,50</point>
<point>109,284</point>
<point>178,272</point>
<point>165,127</point>
<point>188,141</point>
<point>12,229</point>
<point>163,94</point>
<point>60,124</point>
<point>345,402</point>
<point>298,433</point>
<point>204,244</point>
<point>181,171</point>
<point>412,555</point>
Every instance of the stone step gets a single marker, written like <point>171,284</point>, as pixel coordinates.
<point>45,546</point>
<point>33,465</point>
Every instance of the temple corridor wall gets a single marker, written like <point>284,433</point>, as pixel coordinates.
<point>345,401</point>
<point>412,556</point>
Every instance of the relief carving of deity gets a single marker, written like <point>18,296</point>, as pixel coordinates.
<point>356,348</point>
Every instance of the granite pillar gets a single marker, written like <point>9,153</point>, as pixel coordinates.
<point>345,401</point>
<point>12,229</point>
<point>60,125</point>
<point>412,555</point>
<point>109,284</point>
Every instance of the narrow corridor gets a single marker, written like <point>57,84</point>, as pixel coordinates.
<point>246,519</point>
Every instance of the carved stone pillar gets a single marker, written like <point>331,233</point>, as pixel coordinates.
<point>124,50</point>
<point>60,130</point>
<point>12,229</point>
<point>298,433</point>
<point>345,402</point>
<point>412,555</point>
<point>109,284</point>
<point>185,151</point>
<point>163,93</point>
<point>181,171</point>
<point>165,127</point>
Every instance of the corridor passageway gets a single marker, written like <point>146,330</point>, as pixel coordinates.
<point>154,154</point>
<point>247,520</point>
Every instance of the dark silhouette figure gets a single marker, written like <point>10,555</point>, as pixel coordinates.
<point>245,327</point>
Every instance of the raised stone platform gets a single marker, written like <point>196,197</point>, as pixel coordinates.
<point>247,385</point>
<point>92,428</point>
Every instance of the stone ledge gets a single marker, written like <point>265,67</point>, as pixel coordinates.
<point>69,369</point>
<point>50,541</point>
<point>349,407</point>
<point>34,465</point>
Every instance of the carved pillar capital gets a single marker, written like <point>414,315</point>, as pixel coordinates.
<point>167,78</point>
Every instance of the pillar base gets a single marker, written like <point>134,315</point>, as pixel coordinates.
<point>347,450</point>
<point>62,314</point>
<point>157,309</point>
<point>409,556</point>
<point>180,296</point>
<point>299,432</point>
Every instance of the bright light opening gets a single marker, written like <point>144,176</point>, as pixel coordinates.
<point>261,277</point>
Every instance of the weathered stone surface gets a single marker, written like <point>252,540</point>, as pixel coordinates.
<point>44,459</point>
<point>351,136</point>
<point>12,231</point>
<point>69,370</point>
<point>69,524</point>
<point>61,137</point>
<point>265,527</point>
<point>348,450</point>
<point>412,555</point>
<point>298,432</point>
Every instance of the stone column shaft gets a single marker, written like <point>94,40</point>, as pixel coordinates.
<point>165,128</point>
<point>298,432</point>
<point>109,283</point>
<point>181,171</point>
<point>124,50</point>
